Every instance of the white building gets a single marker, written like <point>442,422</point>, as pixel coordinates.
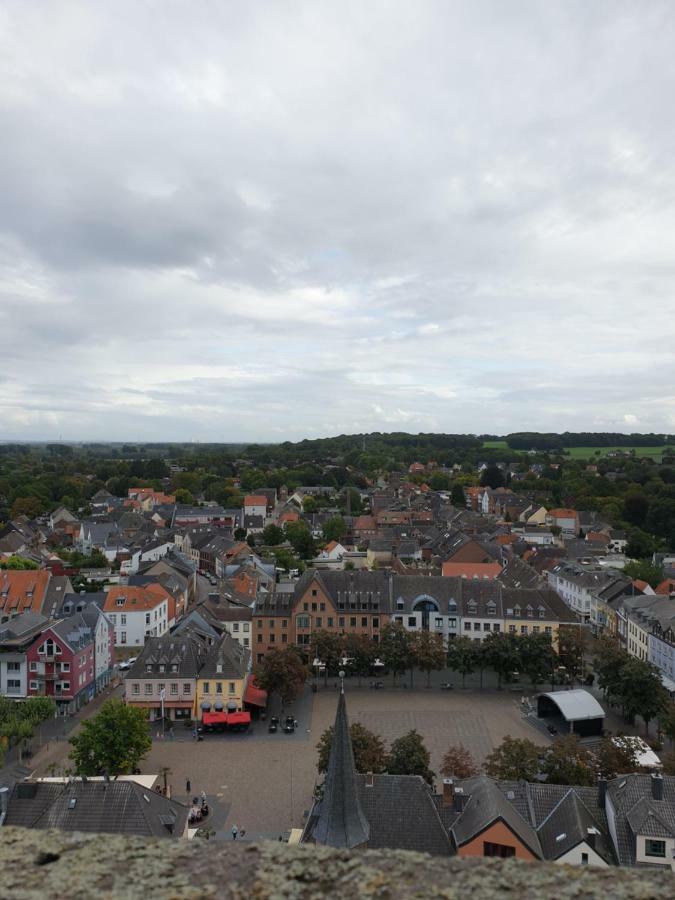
<point>138,613</point>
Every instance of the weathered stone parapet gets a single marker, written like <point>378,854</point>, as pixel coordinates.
<point>41,864</point>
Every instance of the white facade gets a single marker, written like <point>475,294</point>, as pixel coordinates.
<point>240,631</point>
<point>133,626</point>
<point>13,677</point>
<point>581,855</point>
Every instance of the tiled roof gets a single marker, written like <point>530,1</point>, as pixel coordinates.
<point>114,807</point>
<point>227,658</point>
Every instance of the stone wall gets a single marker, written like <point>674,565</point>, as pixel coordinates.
<point>41,864</point>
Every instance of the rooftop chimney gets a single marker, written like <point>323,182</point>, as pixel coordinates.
<point>602,792</point>
<point>448,792</point>
<point>369,779</point>
<point>657,787</point>
<point>591,835</point>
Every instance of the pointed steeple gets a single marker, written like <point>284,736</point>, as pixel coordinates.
<point>341,822</point>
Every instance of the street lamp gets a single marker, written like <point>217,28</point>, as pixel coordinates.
<point>319,666</point>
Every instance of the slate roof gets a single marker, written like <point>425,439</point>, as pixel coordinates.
<point>230,656</point>
<point>487,804</point>
<point>340,821</point>
<point>637,812</point>
<point>22,627</point>
<point>567,825</point>
<point>114,807</point>
<point>185,651</point>
<point>402,815</point>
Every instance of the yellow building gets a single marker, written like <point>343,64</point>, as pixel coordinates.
<point>223,679</point>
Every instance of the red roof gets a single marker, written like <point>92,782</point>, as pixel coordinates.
<point>255,500</point>
<point>563,513</point>
<point>666,587</point>
<point>470,570</point>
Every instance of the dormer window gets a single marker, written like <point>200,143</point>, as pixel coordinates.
<point>148,667</point>
<point>161,667</point>
<point>120,601</point>
<point>542,612</point>
<point>530,611</point>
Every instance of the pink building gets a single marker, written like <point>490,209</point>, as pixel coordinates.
<point>61,664</point>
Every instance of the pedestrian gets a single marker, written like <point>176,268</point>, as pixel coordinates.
<point>188,786</point>
<point>235,832</point>
<point>203,797</point>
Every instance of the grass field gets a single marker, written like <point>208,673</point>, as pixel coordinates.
<point>655,453</point>
<point>588,452</point>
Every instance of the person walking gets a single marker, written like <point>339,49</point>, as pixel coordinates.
<point>235,832</point>
<point>188,786</point>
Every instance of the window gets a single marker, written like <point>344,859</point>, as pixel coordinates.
<point>439,623</point>
<point>161,667</point>
<point>33,667</point>
<point>655,848</point>
<point>273,638</point>
<point>207,687</point>
<point>512,629</point>
<point>231,687</point>
<point>319,621</point>
<point>314,607</point>
<point>476,626</point>
<point>376,622</point>
<point>260,638</point>
<point>305,606</point>
<point>65,667</point>
<point>186,688</point>
<point>341,622</point>
<point>329,621</point>
<point>135,688</point>
<point>302,621</point>
<point>147,619</point>
<point>486,626</point>
<point>352,622</point>
<point>548,629</point>
<point>219,687</point>
<point>235,626</point>
<point>284,624</point>
<point>161,688</point>
<point>322,607</point>
<point>584,859</point>
<point>13,667</point>
<point>452,623</point>
<point>501,850</point>
<point>123,637</point>
<point>314,592</point>
<point>147,689</point>
<point>65,685</point>
<point>303,639</point>
<point>245,626</point>
<point>523,629</point>
<point>495,627</point>
<point>284,639</point>
<point>13,684</point>
<point>33,685</point>
<point>535,629</point>
<point>467,626</point>
<point>120,601</point>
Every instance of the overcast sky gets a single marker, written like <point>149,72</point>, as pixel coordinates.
<point>268,221</point>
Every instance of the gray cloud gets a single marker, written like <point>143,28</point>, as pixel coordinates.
<point>282,219</point>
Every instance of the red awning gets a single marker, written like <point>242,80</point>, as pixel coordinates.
<point>254,696</point>
<point>239,718</point>
<point>217,718</point>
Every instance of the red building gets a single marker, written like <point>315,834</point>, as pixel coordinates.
<point>61,664</point>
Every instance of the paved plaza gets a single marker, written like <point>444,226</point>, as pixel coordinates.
<point>264,782</point>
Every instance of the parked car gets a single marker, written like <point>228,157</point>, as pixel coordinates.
<point>127,663</point>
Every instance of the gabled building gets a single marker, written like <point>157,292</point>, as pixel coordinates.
<point>164,677</point>
<point>61,664</point>
<point>138,613</point>
<point>16,636</point>
<point>222,679</point>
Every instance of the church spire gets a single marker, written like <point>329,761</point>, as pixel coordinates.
<point>341,822</point>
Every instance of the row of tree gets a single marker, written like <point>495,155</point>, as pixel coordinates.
<point>565,761</point>
<point>18,721</point>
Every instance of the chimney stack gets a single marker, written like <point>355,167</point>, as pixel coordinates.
<point>369,779</point>
<point>657,787</point>
<point>448,792</point>
<point>591,834</point>
<point>602,792</point>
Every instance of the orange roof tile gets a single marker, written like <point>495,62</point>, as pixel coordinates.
<point>469,570</point>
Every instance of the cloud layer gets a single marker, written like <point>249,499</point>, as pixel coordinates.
<point>226,221</point>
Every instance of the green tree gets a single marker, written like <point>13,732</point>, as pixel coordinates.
<point>492,476</point>
<point>326,646</point>
<point>537,658</point>
<point>115,740</point>
<point>502,653</point>
<point>462,656</point>
<point>612,759</point>
<point>18,721</point>
<point>427,652</point>
<point>567,762</point>
<point>409,756</point>
<point>362,652</point>
<point>272,535</point>
<point>18,562</point>
<point>458,763</point>
<point>571,643</point>
<point>641,691</point>
<point>369,750</point>
<point>609,662</point>
<point>184,497</point>
<point>457,497</point>
<point>300,538</point>
<point>281,672</point>
<point>334,528</point>
<point>644,570</point>
<point>395,647</point>
<point>515,759</point>
<point>635,508</point>
<point>439,481</point>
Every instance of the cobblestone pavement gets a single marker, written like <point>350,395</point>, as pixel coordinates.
<point>264,782</point>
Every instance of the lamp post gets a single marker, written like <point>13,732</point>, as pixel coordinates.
<point>319,666</point>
